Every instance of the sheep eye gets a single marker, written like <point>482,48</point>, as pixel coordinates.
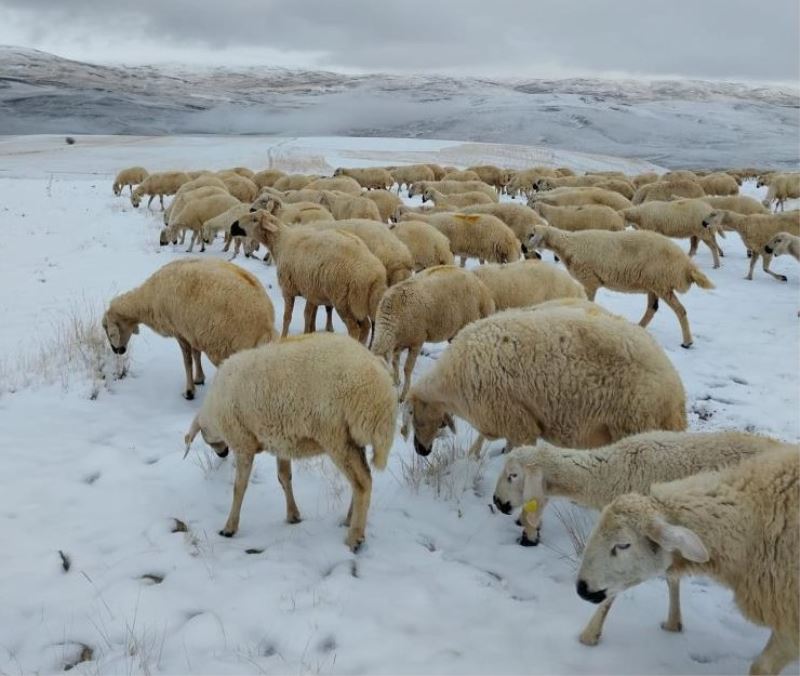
<point>617,548</point>
<point>512,476</point>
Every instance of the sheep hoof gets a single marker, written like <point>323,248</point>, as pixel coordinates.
<point>590,640</point>
<point>355,543</point>
<point>686,346</point>
<point>227,533</point>
<point>667,626</point>
<point>293,518</point>
<point>518,522</point>
<point>783,278</point>
<point>525,541</point>
<point>188,395</point>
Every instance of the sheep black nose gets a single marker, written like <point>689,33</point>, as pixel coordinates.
<point>768,249</point>
<point>419,448</point>
<point>119,350</point>
<point>504,507</point>
<point>593,597</point>
<point>223,453</point>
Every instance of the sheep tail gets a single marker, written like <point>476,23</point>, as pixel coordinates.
<point>697,277</point>
<point>382,443</point>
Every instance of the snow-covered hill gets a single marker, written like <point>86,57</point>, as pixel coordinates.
<point>669,122</point>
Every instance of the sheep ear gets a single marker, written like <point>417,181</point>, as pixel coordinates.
<point>135,329</point>
<point>448,419</point>
<point>533,485</point>
<point>191,434</point>
<point>678,539</point>
<point>405,419</point>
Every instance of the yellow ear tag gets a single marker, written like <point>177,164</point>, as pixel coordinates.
<point>530,506</point>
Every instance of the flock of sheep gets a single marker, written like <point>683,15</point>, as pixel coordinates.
<point>531,357</point>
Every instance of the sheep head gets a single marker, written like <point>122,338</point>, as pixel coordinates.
<point>136,197</point>
<point>778,245</point>
<point>210,437</point>
<point>428,418</point>
<point>632,542</point>
<point>715,220</point>
<point>539,238</point>
<point>119,330</point>
<point>521,483</point>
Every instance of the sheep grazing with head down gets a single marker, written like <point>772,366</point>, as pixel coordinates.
<point>783,243</point>
<point>432,306</point>
<point>190,300</point>
<point>386,201</point>
<point>523,374</point>
<point>411,173</point>
<point>738,526</point>
<point>297,398</point>
<point>326,267</point>
<point>492,175</point>
<point>593,478</point>
<point>427,245</point>
<point>781,188</point>
<point>158,185</point>
<point>630,262</point>
<point>131,177</point>
<point>194,215</point>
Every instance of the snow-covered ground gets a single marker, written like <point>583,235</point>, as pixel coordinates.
<point>94,469</point>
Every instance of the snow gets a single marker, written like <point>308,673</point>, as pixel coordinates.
<point>95,470</point>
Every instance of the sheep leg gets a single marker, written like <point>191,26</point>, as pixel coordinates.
<point>150,201</point>
<point>713,246</point>
<point>352,462</point>
<point>310,318</point>
<point>183,236</point>
<point>353,327</point>
<point>591,290</point>
<point>244,464</point>
<point>781,649</point>
<point>766,259</point>
<point>228,240</point>
<point>591,634</point>
<point>288,307</point>
<point>411,359</point>
<point>396,367</point>
<point>192,241</point>
<point>186,351</point>
<point>285,480</point>
<point>475,449</point>
<point>650,311</point>
<point>329,318</point>
<point>753,260</point>
<point>199,376</point>
<point>463,261</point>
<point>161,199</point>
<point>693,241</point>
<point>364,332</point>
<point>680,312</point>
<point>673,621</point>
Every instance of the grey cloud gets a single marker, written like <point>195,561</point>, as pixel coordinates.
<point>726,39</point>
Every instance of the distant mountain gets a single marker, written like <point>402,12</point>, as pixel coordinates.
<point>669,122</point>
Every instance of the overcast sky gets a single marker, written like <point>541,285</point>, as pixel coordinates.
<point>720,39</point>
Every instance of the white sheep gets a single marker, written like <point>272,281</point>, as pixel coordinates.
<point>719,183</point>
<point>386,202</point>
<point>371,178</point>
<point>222,223</point>
<point>293,182</point>
<point>432,306</point>
<point>241,187</point>
<point>190,300</point>
<point>297,398</point>
<point>492,175</point>
<point>585,217</point>
<point>456,200</point>
<point>461,175</point>
<point>326,267</point>
<point>741,204</point>
<point>412,173</point>
<point>630,262</point>
<point>680,218</point>
<point>526,283</point>
<point>131,177</point>
<point>523,374</point>
<point>593,478</point>
<point>518,217</point>
<point>159,184</point>
<point>781,188</point>
<point>575,197</point>
<point>343,206</point>
<point>452,188</point>
<point>194,215</point>
<point>738,525</point>
<point>664,190</point>
<point>267,177</point>
<point>428,246</point>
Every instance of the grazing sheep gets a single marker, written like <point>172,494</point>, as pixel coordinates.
<point>623,187</point>
<point>390,251</point>
<point>756,230</point>
<point>492,175</point>
<point>738,525</point>
<point>326,267</point>
<point>526,283</point>
<point>719,183</point>
<point>292,182</point>
<point>159,184</point>
<point>783,243</point>
<point>190,300</point>
<point>593,478</point>
<point>452,188</point>
<point>552,182</point>
<point>643,179</point>
<point>412,173</point>
<point>427,245</point>
<point>741,204</point>
<point>344,206</point>
<point>202,181</point>
<point>522,181</point>
<point>575,197</point>
<point>664,190</point>
<point>681,218</point>
<point>267,177</point>
<point>194,215</point>
<point>291,214</point>
<point>433,306</point>
<point>386,202</point>
<point>222,223</point>
<point>344,184</point>
<point>523,374</point>
<point>586,217</point>
<point>679,175</point>
<point>183,197</point>
<point>131,176</point>
<point>518,217</point>
<point>456,200</point>
<point>781,188</point>
<point>371,178</point>
<point>242,188</point>
<point>297,398</point>
<point>480,236</point>
<point>438,171</point>
<point>630,262</point>
<point>461,175</point>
